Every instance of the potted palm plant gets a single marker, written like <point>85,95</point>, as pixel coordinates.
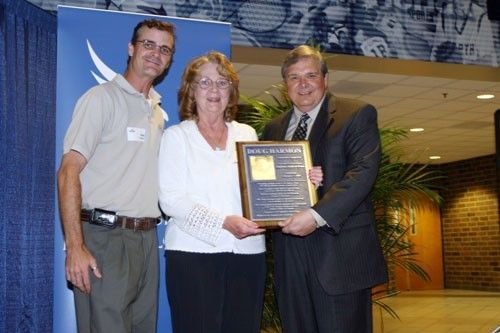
<point>397,183</point>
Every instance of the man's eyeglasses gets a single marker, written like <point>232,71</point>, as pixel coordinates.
<point>150,46</point>
<point>206,83</point>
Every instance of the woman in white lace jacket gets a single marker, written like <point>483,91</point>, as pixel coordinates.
<point>215,257</point>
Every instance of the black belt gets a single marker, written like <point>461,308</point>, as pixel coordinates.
<point>111,220</point>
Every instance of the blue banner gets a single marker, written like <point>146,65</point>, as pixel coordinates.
<point>91,48</point>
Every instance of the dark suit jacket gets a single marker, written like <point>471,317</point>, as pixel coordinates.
<point>345,142</point>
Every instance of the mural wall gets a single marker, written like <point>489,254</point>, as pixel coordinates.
<point>452,31</point>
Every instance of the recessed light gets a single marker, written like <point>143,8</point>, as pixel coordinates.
<point>434,157</point>
<point>416,129</point>
<point>485,96</point>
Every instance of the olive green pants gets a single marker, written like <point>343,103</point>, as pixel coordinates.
<point>125,299</point>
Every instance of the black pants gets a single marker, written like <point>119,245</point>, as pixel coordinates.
<point>215,293</point>
<point>304,305</point>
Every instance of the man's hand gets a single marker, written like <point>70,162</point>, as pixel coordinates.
<point>299,224</point>
<point>241,227</point>
<point>316,176</point>
<point>79,261</point>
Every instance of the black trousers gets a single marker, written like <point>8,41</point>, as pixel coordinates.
<point>215,293</point>
<point>304,305</point>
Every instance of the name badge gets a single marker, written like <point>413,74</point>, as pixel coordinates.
<point>136,134</point>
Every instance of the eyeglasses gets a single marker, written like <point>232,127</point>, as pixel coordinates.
<point>206,83</point>
<point>150,46</point>
<point>294,78</point>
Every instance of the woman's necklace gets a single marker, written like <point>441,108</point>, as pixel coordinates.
<point>216,142</point>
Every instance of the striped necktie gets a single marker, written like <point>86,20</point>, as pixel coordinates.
<point>301,130</point>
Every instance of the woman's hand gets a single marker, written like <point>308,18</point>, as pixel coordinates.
<point>241,227</point>
<point>316,176</point>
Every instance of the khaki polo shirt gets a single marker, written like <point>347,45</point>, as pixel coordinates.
<point>118,131</point>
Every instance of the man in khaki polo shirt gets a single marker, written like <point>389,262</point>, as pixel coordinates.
<point>108,189</point>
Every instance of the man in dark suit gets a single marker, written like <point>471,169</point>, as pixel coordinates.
<point>328,257</point>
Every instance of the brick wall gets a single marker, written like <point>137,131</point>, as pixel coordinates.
<point>471,225</point>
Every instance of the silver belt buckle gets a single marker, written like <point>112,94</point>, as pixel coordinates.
<point>103,218</point>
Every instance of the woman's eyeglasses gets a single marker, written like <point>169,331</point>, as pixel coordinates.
<point>206,83</point>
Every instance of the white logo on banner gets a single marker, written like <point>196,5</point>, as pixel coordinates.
<point>104,70</point>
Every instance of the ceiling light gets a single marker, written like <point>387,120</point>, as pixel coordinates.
<point>434,157</point>
<point>416,129</point>
<point>485,96</point>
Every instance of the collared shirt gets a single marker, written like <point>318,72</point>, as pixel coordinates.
<point>118,132</point>
<point>294,121</point>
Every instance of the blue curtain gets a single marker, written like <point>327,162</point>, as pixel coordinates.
<point>27,140</point>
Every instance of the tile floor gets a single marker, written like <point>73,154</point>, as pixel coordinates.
<point>440,311</point>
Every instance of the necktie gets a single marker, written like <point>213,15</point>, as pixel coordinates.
<point>301,130</point>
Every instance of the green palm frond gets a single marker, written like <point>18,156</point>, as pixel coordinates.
<point>377,297</point>
<point>258,113</point>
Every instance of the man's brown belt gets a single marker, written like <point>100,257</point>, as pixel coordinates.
<point>132,223</point>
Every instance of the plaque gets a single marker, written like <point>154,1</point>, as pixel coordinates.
<point>274,180</point>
